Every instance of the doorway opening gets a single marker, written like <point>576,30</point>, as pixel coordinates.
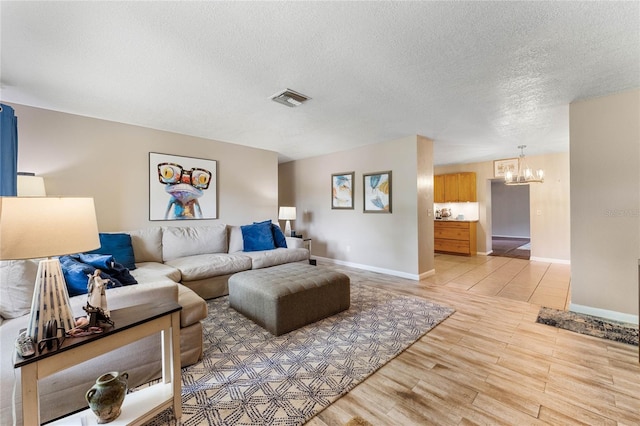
<point>511,221</point>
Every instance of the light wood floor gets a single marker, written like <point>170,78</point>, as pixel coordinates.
<point>490,363</point>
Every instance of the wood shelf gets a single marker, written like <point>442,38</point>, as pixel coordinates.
<point>135,408</point>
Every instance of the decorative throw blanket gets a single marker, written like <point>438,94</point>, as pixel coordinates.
<point>77,268</point>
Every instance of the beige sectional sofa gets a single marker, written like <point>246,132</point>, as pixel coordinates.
<point>185,264</point>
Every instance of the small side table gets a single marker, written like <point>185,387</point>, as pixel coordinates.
<point>307,244</point>
<point>131,324</point>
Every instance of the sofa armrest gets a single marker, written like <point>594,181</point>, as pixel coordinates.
<point>131,295</point>
<point>293,242</point>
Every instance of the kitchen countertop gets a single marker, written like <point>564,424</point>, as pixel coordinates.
<point>454,220</point>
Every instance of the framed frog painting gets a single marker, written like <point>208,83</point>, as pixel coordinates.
<point>182,188</point>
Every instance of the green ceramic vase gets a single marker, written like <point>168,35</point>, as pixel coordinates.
<point>106,397</point>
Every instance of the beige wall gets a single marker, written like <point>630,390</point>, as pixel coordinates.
<point>605,195</point>
<point>549,206</point>
<point>399,243</point>
<point>80,156</point>
<point>424,157</point>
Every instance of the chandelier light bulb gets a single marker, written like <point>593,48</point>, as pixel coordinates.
<point>525,175</point>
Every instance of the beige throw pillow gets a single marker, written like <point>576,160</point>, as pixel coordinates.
<point>17,280</point>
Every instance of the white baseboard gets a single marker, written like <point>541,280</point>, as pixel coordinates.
<point>603,313</point>
<point>379,270</point>
<point>550,260</point>
<point>485,253</point>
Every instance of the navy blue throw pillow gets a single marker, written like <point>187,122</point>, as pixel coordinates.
<point>257,237</point>
<point>119,246</point>
<point>278,236</point>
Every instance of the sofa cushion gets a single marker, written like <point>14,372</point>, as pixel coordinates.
<point>119,246</point>
<point>235,239</point>
<point>279,256</point>
<point>17,279</point>
<point>258,236</point>
<point>194,308</point>
<point>152,271</point>
<point>179,242</point>
<point>295,242</point>
<point>147,244</point>
<point>202,266</point>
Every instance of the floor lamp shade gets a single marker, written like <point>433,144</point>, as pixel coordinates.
<point>40,227</point>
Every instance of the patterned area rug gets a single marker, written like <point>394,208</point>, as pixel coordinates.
<point>590,325</point>
<point>250,377</point>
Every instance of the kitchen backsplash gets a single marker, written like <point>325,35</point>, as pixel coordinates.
<point>460,211</point>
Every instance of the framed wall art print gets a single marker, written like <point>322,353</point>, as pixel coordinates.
<point>501,167</point>
<point>377,192</point>
<point>342,185</point>
<point>182,188</point>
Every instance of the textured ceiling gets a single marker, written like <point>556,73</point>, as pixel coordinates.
<point>479,78</point>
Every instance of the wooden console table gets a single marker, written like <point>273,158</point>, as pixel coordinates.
<point>131,324</point>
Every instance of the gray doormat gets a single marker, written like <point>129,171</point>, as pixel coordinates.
<point>590,325</point>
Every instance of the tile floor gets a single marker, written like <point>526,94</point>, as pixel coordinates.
<point>540,283</point>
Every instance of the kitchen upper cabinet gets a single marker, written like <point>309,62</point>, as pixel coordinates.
<point>467,187</point>
<point>454,188</point>
<point>438,189</point>
<point>451,188</point>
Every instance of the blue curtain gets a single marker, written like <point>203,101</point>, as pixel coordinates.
<point>8,151</point>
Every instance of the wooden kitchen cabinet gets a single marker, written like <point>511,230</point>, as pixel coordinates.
<point>452,236</point>
<point>467,187</point>
<point>451,188</point>
<point>454,188</point>
<point>438,189</point>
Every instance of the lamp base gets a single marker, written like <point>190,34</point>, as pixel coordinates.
<point>287,228</point>
<point>50,302</point>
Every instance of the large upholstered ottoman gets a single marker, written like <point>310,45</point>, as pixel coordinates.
<point>286,297</point>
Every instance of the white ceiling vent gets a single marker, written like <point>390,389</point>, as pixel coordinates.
<point>290,98</point>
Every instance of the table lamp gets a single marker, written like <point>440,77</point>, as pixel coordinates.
<point>39,227</point>
<point>30,185</point>
<point>287,213</point>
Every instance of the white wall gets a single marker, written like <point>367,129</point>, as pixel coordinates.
<point>80,156</point>
<point>400,243</point>
<point>549,205</point>
<point>605,195</point>
<point>510,210</point>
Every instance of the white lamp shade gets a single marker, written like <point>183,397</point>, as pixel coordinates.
<point>35,227</point>
<point>287,213</point>
<point>31,186</point>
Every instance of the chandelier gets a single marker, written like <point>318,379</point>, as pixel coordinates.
<point>525,174</point>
